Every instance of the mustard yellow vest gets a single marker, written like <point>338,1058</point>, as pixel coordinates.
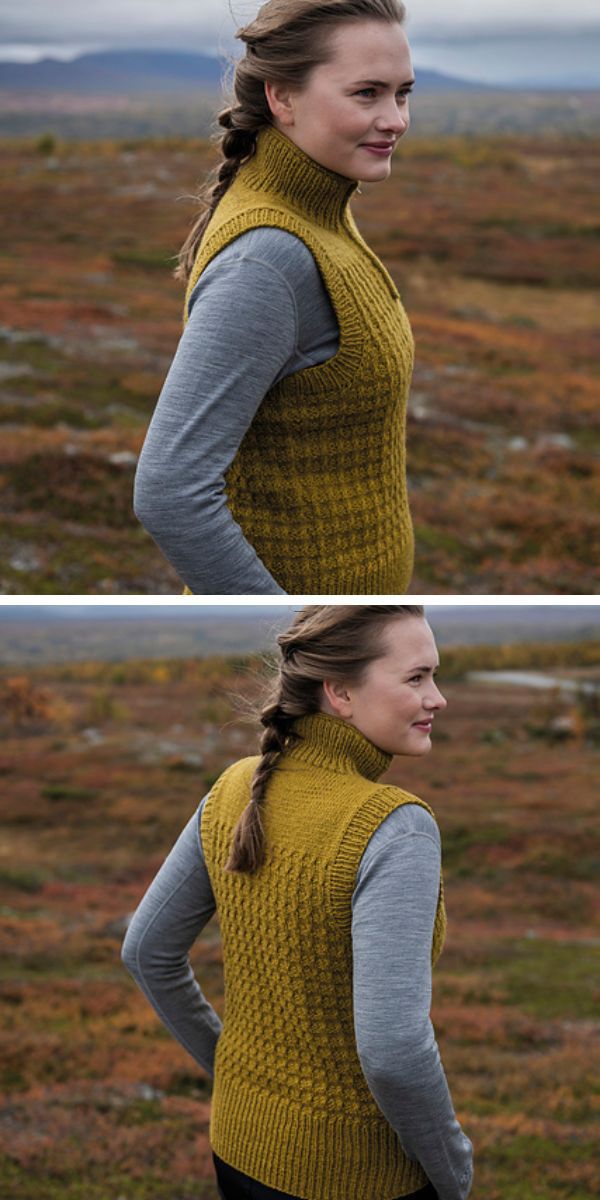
<point>318,485</point>
<point>291,1106</point>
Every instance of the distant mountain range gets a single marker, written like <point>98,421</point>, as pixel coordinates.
<point>145,72</point>
<point>130,72</point>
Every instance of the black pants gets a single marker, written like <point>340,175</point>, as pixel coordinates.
<point>233,1185</point>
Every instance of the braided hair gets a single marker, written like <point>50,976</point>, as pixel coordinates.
<point>284,43</point>
<point>324,641</point>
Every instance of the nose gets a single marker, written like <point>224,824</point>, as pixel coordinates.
<point>434,698</point>
<point>394,120</point>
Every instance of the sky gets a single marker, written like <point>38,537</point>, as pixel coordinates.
<point>494,40</point>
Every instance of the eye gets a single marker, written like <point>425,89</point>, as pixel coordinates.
<point>370,90</point>
<point>415,678</point>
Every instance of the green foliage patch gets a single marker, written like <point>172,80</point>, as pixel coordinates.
<point>20,1183</point>
<point>67,791</point>
<point>549,979</point>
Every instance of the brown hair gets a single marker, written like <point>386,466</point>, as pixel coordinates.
<point>324,641</point>
<point>284,43</point>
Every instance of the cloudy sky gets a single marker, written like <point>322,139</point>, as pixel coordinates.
<point>493,39</point>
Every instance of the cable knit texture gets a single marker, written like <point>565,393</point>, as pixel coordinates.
<point>318,484</point>
<point>291,1106</point>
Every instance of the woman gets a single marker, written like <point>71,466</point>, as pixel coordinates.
<point>328,1083</point>
<point>275,459</point>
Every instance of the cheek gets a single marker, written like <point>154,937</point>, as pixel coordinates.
<point>346,117</point>
<point>400,706</point>
<point>409,705</point>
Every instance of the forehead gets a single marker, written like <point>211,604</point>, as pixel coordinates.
<point>410,641</point>
<point>362,47</point>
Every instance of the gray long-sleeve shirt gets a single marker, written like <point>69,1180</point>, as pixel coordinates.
<point>259,311</point>
<point>393,910</point>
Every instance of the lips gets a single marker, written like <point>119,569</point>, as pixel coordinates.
<point>427,724</point>
<point>379,145</point>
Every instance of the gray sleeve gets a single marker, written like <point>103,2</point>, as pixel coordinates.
<point>164,926</point>
<point>393,911</point>
<point>241,332</point>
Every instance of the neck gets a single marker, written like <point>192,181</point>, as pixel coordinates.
<point>279,165</point>
<point>327,741</point>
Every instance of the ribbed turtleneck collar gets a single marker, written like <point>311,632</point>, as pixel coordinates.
<point>330,742</point>
<point>280,166</point>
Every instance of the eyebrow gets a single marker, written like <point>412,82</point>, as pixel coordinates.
<point>411,670</point>
<point>380,83</point>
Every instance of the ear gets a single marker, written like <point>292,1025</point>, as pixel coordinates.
<point>280,101</point>
<point>338,698</point>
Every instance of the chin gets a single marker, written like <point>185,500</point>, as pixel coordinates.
<point>418,750</point>
<point>377,166</point>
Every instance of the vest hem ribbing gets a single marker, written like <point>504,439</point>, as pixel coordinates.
<point>310,1154</point>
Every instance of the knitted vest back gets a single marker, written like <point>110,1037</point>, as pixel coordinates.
<point>291,1106</point>
<point>318,484</point>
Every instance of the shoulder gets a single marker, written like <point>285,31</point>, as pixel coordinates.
<point>237,771</point>
<point>385,815</point>
<point>402,858</point>
<point>265,259</point>
<point>273,247</point>
<point>410,818</point>
<point>412,815</point>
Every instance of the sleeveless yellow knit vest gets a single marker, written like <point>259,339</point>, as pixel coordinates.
<point>291,1106</point>
<point>318,485</point>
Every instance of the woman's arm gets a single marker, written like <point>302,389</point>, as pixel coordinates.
<point>241,332</point>
<point>393,911</point>
<point>164,926</point>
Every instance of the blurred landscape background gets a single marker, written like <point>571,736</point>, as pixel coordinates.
<point>104,756</point>
<point>148,93</point>
<point>34,635</point>
<point>488,225</point>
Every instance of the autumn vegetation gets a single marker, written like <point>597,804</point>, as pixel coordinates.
<point>493,243</point>
<point>102,764</point>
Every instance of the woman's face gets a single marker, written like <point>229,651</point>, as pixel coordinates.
<point>397,700</point>
<point>359,98</point>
